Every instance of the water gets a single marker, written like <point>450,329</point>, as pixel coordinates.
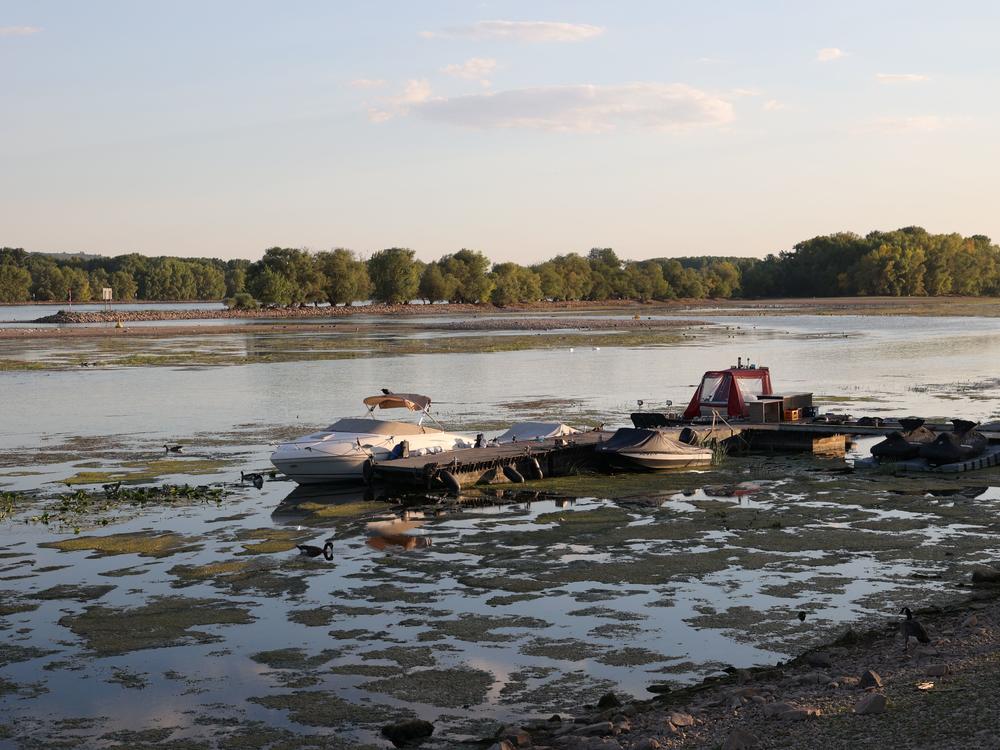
<point>534,604</point>
<point>26,313</point>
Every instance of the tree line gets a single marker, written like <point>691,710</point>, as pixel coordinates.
<point>908,261</point>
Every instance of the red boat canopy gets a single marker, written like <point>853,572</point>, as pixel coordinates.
<point>727,391</point>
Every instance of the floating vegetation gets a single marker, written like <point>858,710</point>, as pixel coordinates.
<point>162,622</point>
<point>144,544</point>
<point>322,709</point>
<point>447,688</point>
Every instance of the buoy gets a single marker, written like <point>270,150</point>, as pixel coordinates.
<point>536,469</point>
<point>513,475</point>
<point>450,481</point>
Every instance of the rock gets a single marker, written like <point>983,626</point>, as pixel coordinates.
<point>503,745</point>
<point>869,679</point>
<point>407,731</point>
<point>741,739</point>
<point>970,622</point>
<point>648,743</point>
<point>601,727</point>
<point>986,575</point>
<point>790,712</point>
<point>849,681</point>
<point>600,743</point>
<point>872,703</point>
<point>759,699</point>
<point>681,719</point>
<point>660,688</point>
<point>938,670</point>
<point>555,718</point>
<point>608,700</point>
<point>819,659</point>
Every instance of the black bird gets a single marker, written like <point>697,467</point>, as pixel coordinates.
<point>111,490</point>
<point>802,616</point>
<point>256,479</point>
<point>912,629</point>
<point>173,448</point>
<point>386,391</point>
<point>311,550</point>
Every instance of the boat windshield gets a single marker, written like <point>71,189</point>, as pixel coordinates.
<point>714,389</point>
<point>378,427</point>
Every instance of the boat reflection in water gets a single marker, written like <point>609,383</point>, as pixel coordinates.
<point>394,531</point>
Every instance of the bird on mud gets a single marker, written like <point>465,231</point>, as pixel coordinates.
<point>801,616</point>
<point>112,490</point>
<point>311,550</point>
<point>173,448</point>
<point>255,478</point>
<point>912,629</point>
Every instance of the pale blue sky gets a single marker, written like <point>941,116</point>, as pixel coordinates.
<point>522,129</point>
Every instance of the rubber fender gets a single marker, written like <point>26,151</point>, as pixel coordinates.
<point>368,470</point>
<point>450,481</point>
<point>688,436</point>
<point>535,469</point>
<point>513,475</point>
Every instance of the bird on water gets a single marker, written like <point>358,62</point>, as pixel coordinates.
<point>311,550</point>
<point>173,448</point>
<point>912,629</point>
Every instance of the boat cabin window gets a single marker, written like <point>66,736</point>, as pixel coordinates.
<point>378,427</point>
<point>714,389</point>
<point>750,388</point>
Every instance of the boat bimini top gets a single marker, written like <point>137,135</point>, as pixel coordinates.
<point>388,400</point>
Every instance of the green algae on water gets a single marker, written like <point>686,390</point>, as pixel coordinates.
<point>144,544</point>
<point>162,622</point>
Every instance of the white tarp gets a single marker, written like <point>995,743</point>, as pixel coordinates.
<point>523,431</point>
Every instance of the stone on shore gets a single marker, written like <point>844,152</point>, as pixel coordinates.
<point>681,719</point>
<point>869,679</point>
<point>938,670</point>
<point>872,703</point>
<point>608,700</point>
<point>406,731</point>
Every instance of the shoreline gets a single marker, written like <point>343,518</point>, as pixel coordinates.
<point>822,698</point>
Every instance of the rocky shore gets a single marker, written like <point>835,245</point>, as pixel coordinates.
<point>862,691</point>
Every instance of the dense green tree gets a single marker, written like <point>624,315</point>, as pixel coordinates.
<point>435,285</point>
<point>124,286</point>
<point>608,277</point>
<point>170,279</point>
<point>15,282</point>
<point>513,283</point>
<point>346,276</point>
<point>78,285</point>
<point>209,281</point>
<point>394,274</point>
<point>645,281</point>
<point>565,277</point>
<point>470,270</point>
<point>272,287</point>
<point>305,281</point>
<point>47,281</point>
<point>236,276</point>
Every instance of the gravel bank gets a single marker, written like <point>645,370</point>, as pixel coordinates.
<point>863,691</point>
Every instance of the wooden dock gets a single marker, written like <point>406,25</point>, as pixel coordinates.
<point>493,464</point>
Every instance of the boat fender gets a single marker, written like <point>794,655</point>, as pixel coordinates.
<point>368,470</point>
<point>450,481</point>
<point>536,469</point>
<point>513,475</point>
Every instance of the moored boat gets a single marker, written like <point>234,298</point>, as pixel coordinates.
<point>964,443</point>
<point>650,450</point>
<point>904,444</point>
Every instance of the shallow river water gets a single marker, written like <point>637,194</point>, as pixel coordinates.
<point>197,619</point>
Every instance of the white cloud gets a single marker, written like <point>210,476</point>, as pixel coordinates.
<point>523,31</point>
<point>900,77</point>
<point>18,30</point>
<point>745,92</point>
<point>367,83</point>
<point>416,91</point>
<point>773,105</point>
<point>914,124</point>
<point>473,69</point>
<point>583,108</point>
<point>829,54</point>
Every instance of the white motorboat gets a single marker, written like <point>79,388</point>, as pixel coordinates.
<point>339,452</point>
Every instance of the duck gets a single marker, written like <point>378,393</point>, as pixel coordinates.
<point>801,616</point>
<point>311,550</point>
<point>255,478</point>
<point>912,629</point>
<point>173,448</point>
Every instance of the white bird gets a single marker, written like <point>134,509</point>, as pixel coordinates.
<point>571,350</point>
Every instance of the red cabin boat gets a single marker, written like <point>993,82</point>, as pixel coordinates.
<point>727,392</point>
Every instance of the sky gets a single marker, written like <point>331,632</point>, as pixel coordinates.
<point>521,129</point>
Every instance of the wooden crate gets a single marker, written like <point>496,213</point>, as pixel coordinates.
<point>793,415</point>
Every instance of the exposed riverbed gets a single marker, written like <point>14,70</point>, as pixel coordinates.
<point>191,617</point>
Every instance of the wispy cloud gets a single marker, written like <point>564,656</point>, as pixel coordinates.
<point>745,92</point>
<point>19,30</point>
<point>415,91</point>
<point>367,83</point>
<point>583,108</point>
<point>523,31</point>
<point>900,77</point>
<point>773,105</point>
<point>914,124</point>
<point>473,69</point>
<point>829,54</point>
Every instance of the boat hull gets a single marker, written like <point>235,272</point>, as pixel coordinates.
<point>658,461</point>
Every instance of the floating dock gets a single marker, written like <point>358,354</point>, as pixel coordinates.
<point>494,464</point>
